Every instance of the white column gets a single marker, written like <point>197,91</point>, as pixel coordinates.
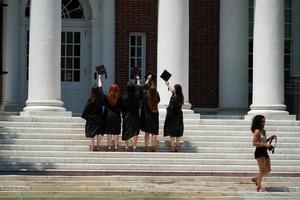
<point>44,84</point>
<point>108,40</point>
<point>268,57</point>
<point>233,55</point>
<point>11,80</point>
<point>173,47</point>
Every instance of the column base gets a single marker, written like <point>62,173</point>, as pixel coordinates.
<point>45,108</point>
<point>271,112</point>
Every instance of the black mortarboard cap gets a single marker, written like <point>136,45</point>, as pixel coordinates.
<point>135,71</point>
<point>165,75</point>
<point>101,70</point>
<point>148,73</point>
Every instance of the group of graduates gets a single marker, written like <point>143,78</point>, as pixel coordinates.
<point>137,111</point>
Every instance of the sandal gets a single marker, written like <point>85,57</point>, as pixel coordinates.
<point>260,189</point>
<point>254,181</point>
<point>116,148</point>
<point>126,148</point>
<point>172,149</point>
<point>134,149</point>
<point>95,148</point>
<point>176,149</point>
<point>109,148</point>
<point>153,149</point>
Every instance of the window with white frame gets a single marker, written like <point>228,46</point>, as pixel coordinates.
<point>137,53</point>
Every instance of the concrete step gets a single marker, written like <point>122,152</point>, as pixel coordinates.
<point>141,154</point>
<point>73,127</point>
<point>145,187</point>
<point>162,167</point>
<point>286,142</point>
<point>79,134</point>
<point>138,161</point>
<point>82,148</point>
<point>213,140</point>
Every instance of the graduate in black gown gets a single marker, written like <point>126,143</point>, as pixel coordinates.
<point>149,112</point>
<point>130,115</point>
<point>93,114</point>
<point>173,126</point>
<point>112,117</point>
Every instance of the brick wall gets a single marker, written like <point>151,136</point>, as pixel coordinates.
<point>134,16</point>
<point>141,16</point>
<point>204,53</point>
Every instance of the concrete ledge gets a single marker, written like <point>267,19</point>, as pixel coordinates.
<point>31,113</point>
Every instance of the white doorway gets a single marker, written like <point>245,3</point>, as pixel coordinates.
<point>73,71</point>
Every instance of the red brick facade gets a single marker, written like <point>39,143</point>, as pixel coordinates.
<point>204,53</point>
<point>142,16</point>
<point>134,16</point>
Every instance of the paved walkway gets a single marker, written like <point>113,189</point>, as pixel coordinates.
<point>145,187</point>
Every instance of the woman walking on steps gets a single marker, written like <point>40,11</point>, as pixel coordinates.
<point>93,114</point>
<point>112,117</point>
<point>173,126</point>
<point>260,154</point>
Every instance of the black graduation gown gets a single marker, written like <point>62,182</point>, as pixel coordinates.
<point>93,114</point>
<point>173,126</point>
<point>149,119</point>
<point>130,116</point>
<point>112,117</point>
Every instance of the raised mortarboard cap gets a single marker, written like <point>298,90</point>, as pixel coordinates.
<point>135,71</point>
<point>148,73</point>
<point>101,70</point>
<point>165,75</point>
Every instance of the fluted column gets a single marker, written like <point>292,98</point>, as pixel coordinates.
<point>173,46</point>
<point>233,59</point>
<point>11,89</point>
<point>108,40</point>
<point>268,58</point>
<point>44,84</point>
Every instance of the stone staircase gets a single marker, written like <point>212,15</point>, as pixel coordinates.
<point>55,144</point>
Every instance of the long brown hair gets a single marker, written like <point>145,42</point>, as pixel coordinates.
<point>95,94</point>
<point>152,99</point>
<point>113,94</point>
<point>179,95</point>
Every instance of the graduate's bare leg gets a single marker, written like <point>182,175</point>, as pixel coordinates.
<point>173,144</point>
<point>98,140</point>
<point>126,145</point>
<point>109,142</point>
<point>177,144</point>
<point>135,141</point>
<point>154,142</point>
<point>116,138</point>
<point>146,141</point>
